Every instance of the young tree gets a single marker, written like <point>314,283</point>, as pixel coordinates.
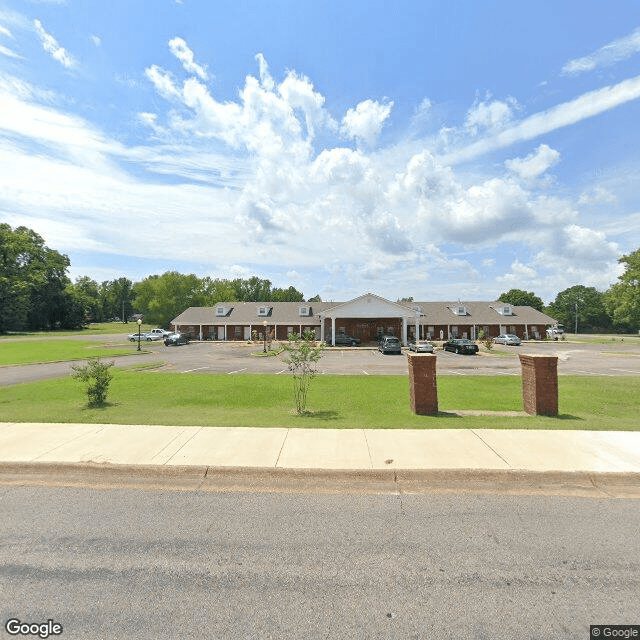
<point>302,357</point>
<point>96,375</point>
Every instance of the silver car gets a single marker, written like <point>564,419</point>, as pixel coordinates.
<point>507,338</point>
<point>421,346</point>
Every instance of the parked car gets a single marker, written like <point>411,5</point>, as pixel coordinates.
<point>421,346</point>
<point>148,336</point>
<point>343,338</point>
<point>461,345</point>
<point>176,338</point>
<point>389,344</point>
<point>163,333</point>
<point>507,338</point>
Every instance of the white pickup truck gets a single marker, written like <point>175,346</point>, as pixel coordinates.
<point>554,332</point>
<point>153,334</point>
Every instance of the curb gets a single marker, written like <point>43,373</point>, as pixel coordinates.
<point>322,481</point>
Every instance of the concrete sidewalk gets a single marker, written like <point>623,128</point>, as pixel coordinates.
<point>323,449</point>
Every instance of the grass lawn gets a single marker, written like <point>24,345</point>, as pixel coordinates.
<point>336,402</point>
<point>44,350</point>
<point>99,328</point>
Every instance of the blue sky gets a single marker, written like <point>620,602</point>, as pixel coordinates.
<point>440,150</point>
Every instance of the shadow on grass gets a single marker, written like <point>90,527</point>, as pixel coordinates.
<point>567,416</point>
<point>100,407</point>
<point>320,415</point>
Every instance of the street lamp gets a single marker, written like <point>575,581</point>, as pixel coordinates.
<point>264,334</point>
<point>139,323</point>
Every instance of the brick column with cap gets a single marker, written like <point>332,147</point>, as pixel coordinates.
<point>540,384</point>
<point>423,388</point>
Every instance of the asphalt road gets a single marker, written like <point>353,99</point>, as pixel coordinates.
<point>615,359</point>
<point>144,564</point>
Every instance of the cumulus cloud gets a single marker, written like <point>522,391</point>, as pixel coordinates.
<point>365,122</point>
<point>51,46</point>
<point>613,52</point>
<point>180,50</point>
<point>535,164</point>
<point>520,274</point>
<point>490,116</point>
<point>97,40</point>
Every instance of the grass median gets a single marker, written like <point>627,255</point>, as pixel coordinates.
<point>341,402</point>
<point>41,351</point>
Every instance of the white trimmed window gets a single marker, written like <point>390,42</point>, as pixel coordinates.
<point>460,311</point>
<point>507,310</point>
<point>304,311</point>
<point>264,311</point>
<point>222,311</point>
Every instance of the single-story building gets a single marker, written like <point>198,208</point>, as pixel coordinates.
<point>365,317</point>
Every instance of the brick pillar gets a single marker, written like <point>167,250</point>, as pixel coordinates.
<point>423,388</point>
<point>540,384</point>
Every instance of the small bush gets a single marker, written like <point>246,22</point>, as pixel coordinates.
<point>96,375</point>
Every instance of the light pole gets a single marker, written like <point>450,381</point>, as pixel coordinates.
<point>264,334</point>
<point>139,323</point>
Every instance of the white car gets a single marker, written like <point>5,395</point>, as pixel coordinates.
<point>507,338</point>
<point>147,335</point>
<point>421,346</point>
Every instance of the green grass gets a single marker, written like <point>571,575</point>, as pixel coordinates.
<point>44,350</point>
<point>100,328</point>
<point>336,402</point>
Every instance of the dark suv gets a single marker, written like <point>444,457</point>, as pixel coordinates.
<point>176,339</point>
<point>389,344</point>
<point>343,338</point>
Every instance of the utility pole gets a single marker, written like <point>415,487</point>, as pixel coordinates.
<point>576,328</point>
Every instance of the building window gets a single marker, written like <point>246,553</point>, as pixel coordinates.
<point>221,311</point>
<point>454,331</point>
<point>304,311</point>
<point>263,311</point>
<point>289,331</point>
<point>237,332</point>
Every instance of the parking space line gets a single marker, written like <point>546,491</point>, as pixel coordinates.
<point>283,371</point>
<point>626,371</point>
<point>196,369</point>
<point>366,373</point>
<point>237,371</point>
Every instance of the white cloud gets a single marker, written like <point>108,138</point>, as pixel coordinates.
<point>97,40</point>
<point>490,116</point>
<point>181,51</point>
<point>520,274</point>
<point>51,46</point>
<point>608,55</point>
<point>163,82</point>
<point>365,122</point>
<point>586,106</point>
<point>5,32</point>
<point>5,51</point>
<point>535,164</point>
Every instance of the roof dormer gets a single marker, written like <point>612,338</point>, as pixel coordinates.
<point>460,310</point>
<point>505,310</point>
<point>304,311</point>
<point>264,311</point>
<point>223,311</point>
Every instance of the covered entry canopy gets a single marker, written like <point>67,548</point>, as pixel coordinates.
<point>367,316</point>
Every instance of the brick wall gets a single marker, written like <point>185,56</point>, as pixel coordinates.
<point>540,384</point>
<point>423,387</point>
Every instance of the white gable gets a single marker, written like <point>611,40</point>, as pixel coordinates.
<point>369,306</point>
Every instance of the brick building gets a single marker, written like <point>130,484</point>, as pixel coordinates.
<point>365,317</point>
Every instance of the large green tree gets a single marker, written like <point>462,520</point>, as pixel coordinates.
<point>161,298</point>
<point>33,282</point>
<point>116,298</point>
<point>520,298</point>
<point>623,298</point>
<point>584,303</point>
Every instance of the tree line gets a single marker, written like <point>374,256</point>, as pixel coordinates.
<point>36,293</point>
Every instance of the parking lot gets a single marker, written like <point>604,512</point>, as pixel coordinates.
<point>617,359</point>
<point>237,358</point>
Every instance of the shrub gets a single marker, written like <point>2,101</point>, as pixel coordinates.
<point>302,356</point>
<point>96,375</point>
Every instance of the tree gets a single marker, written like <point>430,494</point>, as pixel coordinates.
<point>302,356</point>
<point>622,300</point>
<point>584,303</point>
<point>315,298</point>
<point>117,299</point>
<point>520,298</point>
<point>161,298</point>
<point>291,294</point>
<point>96,375</point>
<point>33,279</point>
